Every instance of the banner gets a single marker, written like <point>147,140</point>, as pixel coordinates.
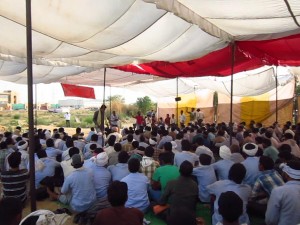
<point>78,91</point>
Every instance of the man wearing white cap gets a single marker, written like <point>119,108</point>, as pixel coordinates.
<point>289,139</point>
<point>223,166</point>
<point>22,148</point>
<point>284,205</point>
<point>251,163</point>
<point>102,177</point>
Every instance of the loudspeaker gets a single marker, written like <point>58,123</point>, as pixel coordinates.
<point>177,99</point>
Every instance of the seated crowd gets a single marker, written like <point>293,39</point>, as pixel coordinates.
<point>115,178</point>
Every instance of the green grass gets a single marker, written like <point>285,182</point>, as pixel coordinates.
<point>203,211</point>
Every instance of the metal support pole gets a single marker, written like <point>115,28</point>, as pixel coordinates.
<point>109,104</point>
<point>36,106</point>
<point>276,82</point>
<point>177,114</point>
<point>295,105</point>
<point>30,105</point>
<point>231,89</point>
<point>103,111</point>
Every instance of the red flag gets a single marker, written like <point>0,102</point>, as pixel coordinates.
<point>78,91</point>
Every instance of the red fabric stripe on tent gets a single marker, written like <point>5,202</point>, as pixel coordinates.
<point>78,91</point>
<point>249,55</point>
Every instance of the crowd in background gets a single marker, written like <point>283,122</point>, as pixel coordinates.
<point>164,166</point>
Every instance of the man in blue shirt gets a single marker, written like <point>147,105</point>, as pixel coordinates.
<point>47,168</point>
<point>251,163</point>
<point>120,170</point>
<point>102,176</point>
<point>222,166</point>
<point>234,183</point>
<point>138,185</point>
<point>51,151</point>
<point>284,204</point>
<point>205,175</point>
<point>78,189</point>
<point>186,154</point>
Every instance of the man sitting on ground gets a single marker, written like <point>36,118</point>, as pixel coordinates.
<point>118,214</point>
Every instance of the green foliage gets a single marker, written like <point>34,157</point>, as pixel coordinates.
<point>298,90</point>
<point>88,119</point>
<point>115,98</point>
<point>144,104</point>
<point>17,116</point>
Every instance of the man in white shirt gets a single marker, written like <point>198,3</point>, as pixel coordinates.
<point>67,118</point>
<point>182,118</point>
<point>114,120</point>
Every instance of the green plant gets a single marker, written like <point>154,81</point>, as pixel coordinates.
<point>17,116</point>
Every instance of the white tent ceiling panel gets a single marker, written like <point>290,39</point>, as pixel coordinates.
<point>157,37</point>
<point>135,21</point>
<point>186,47</point>
<point>237,19</point>
<point>8,68</point>
<point>114,78</point>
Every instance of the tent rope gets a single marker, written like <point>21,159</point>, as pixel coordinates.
<point>291,12</point>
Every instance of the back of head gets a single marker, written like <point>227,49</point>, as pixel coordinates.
<point>200,141</point>
<point>123,157</point>
<point>14,159</point>
<point>185,145</point>
<point>69,142</point>
<point>73,151</point>
<point>111,140</point>
<point>234,148</point>
<point>166,158</point>
<point>10,211</point>
<point>149,151</point>
<point>41,154</point>
<point>186,168</point>
<point>50,142</point>
<point>266,162</point>
<point>94,137</point>
<point>134,165</point>
<point>117,193</point>
<point>230,206</point>
<point>285,147</point>
<point>168,146</point>
<point>204,159</point>
<point>129,137</point>
<point>135,144</point>
<point>237,173</point>
<point>117,147</point>
<point>78,130</point>
<point>77,161</point>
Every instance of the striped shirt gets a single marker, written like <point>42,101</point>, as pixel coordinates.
<point>14,184</point>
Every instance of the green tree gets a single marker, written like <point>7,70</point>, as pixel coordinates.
<point>144,104</point>
<point>117,103</point>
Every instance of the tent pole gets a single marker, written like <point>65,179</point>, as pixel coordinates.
<point>276,82</point>
<point>231,89</point>
<point>109,104</point>
<point>30,105</point>
<point>36,106</point>
<point>103,116</point>
<point>177,116</point>
<point>295,105</point>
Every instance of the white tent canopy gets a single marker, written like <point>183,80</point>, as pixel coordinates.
<point>74,37</point>
<point>250,83</point>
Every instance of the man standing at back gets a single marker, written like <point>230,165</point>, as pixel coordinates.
<point>67,118</point>
<point>114,120</point>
